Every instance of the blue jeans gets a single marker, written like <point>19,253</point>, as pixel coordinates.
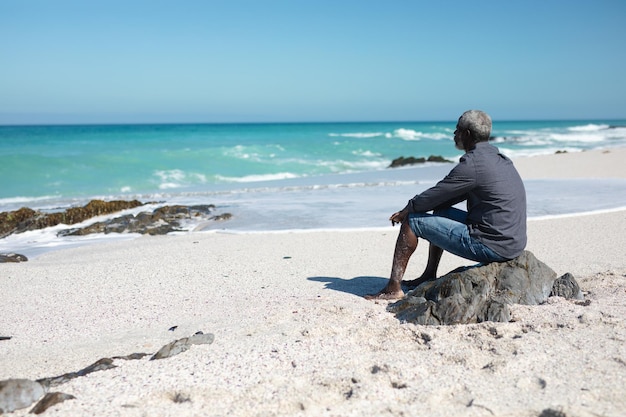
<point>447,229</point>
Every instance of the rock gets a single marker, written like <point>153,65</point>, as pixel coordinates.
<point>567,287</point>
<point>161,221</point>
<point>402,161</point>
<point>27,219</point>
<point>49,400</point>
<point>181,345</point>
<point>478,293</point>
<point>100,365</point>
<point>19,393</point>
<point>12,257</point>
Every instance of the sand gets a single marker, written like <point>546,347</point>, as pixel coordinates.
<point>293,335</point>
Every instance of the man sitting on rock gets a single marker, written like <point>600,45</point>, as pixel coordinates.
<point>492,230</point>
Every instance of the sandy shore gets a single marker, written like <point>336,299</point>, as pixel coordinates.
<point>293,335</point>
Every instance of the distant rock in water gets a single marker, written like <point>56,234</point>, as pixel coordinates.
<point>158,222</point>
<point>484,292</point>
<point>411,160</point>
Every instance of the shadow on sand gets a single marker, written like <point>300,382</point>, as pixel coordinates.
<point>359,286</point>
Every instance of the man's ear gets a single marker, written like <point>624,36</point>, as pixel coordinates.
<point>467,140</point>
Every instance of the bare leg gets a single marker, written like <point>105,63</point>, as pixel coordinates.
<point>405,246</point>
<point>430,273</point>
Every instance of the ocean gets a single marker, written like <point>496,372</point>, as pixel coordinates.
<point>274,177</point>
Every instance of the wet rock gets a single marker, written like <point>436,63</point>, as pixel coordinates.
<point>12,257</point>
<point>19,393</point>
<point>478,293</point>
<point>160,221</point>
<point>181,345</point>
<point>50,399</point>
<point>26,219</point>
<point>411,160</point>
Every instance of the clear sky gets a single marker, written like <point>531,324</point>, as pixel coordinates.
<point>320,60</point>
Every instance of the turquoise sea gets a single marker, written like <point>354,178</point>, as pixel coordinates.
<point>277,176</point>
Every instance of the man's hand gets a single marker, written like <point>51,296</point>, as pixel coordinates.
<point>399,217</point>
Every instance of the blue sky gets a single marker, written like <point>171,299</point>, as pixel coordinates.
<point>265,61</point>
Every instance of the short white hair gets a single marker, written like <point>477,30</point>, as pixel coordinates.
<point>478,123</point>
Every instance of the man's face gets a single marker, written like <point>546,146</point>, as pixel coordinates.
<point>459,134</point>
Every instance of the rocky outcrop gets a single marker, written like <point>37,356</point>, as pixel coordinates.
<point>484,292</point>
<point>12,257</point>
<point>411,160</point>
<point>25,219</point>
<point>160,221</point>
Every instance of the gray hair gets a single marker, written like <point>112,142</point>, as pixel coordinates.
<point>478,123</point>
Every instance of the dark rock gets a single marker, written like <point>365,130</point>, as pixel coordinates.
<point>478,293</point>
<point>402,161</point>
<point>50,399</point>
<point>160,221</point>
<point>222,217</point>
<point>567,287</point>
<point>12,257</point>
<point>132,356</point>
<point>26,219</point>
<point>100,365</point>
<point>549,412</point>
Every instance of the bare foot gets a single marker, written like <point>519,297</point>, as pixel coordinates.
<point>417,282</point>
<point>383,295</point>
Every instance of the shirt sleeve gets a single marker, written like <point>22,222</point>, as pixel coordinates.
<point>452,189</point>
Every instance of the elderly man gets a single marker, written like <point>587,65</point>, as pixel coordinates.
<point>493,229</point>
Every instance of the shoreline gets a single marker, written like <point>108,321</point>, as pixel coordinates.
<point>604,165</point>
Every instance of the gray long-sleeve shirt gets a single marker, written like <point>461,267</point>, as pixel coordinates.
<point>495,194</point>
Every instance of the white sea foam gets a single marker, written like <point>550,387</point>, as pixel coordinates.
<point>10,201</point>
<point>361,152</point>
<point>410,134</point>
<point>172,174</point>
<point>588,128</point>
<point>364,135</point>
<point>258,178</point>
<point>176,178</point>
<point>590,138</point>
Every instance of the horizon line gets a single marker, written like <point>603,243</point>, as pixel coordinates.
<point>49,124</point>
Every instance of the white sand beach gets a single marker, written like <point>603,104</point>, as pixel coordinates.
<point>294,336</point>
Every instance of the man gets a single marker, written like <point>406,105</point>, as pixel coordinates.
<point>493,229</point>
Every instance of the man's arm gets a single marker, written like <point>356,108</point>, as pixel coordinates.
<point>448,192</point>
